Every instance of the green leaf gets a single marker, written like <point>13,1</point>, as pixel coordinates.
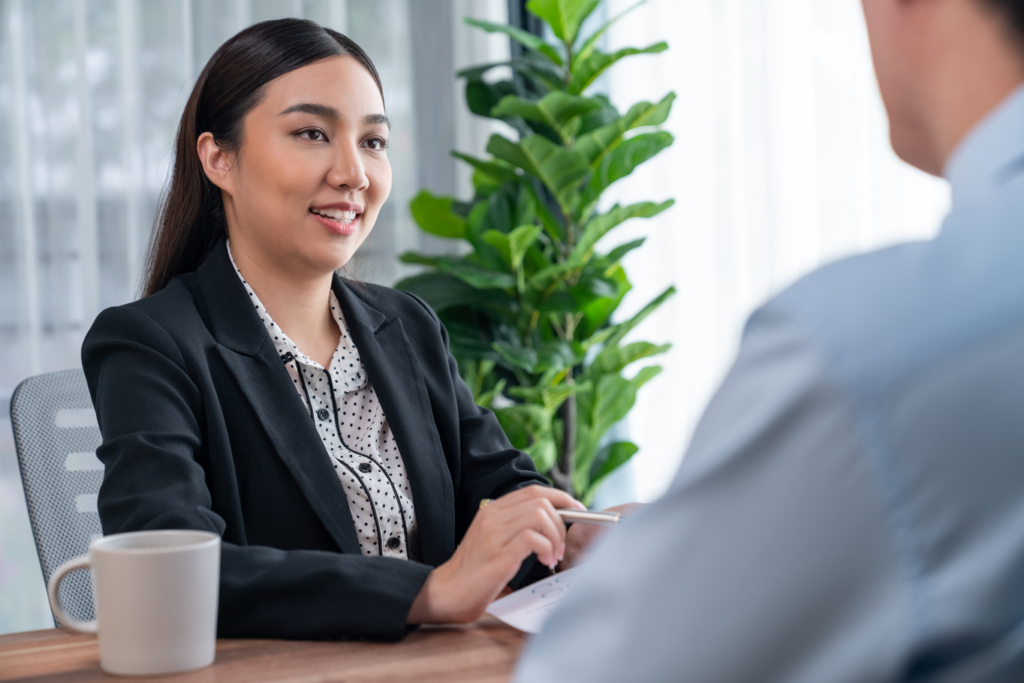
<point>499,241</point>
<point>412,258</point>
<point>558,355</point>
<point>560,169</point>
<point>597,314</point>
<point>551,225</point>
<point>610,458</point>
<point>529,428</point>
<point>591,287</point>
<point>586,71</point>
<point>522,357</point>
<point>536,69</point>
<point>551,398</point>
<point>596,143</point>
<point>564,16</point>
<point>622,160</point>
<point>624,328</point>
<point>602,116</point>
<point>587,48</point>
<point>477,276</point>
<point>434,215</point>
<point>544,453</point>
<point>525,38</point>
<point>499,208</point>
<point>598,226</point>
<point>443,291</point>
<point>506,150</point>
<point>482,96</point>
<point>543,279</point>
<point>557,109</point>
<point>616,254</point>
<point>513,247</point>
<point>520,240</point>
<point>597,338</point>
<point>614,397</point>
<point>559,301</point>
<point>470,341</point>
<point>485,399</point>
<point>500,172</point>
<point>616,358</point>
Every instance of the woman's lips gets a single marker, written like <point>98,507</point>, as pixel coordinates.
<point>338,222</point>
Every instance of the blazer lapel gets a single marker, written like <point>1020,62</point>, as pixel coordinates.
<point>395,375</point>
<point>249,355</point>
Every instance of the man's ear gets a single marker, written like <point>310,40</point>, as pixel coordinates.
<point>216,162</point>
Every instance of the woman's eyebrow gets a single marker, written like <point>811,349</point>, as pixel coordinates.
<point>374,119</point>
<point>322,110</point>
<point>325,111</point>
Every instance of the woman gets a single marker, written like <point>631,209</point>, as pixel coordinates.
<point>319,426</point>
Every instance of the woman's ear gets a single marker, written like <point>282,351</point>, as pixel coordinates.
<point>216,162</point>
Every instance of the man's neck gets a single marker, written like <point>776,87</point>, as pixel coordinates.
<point>971,75</point>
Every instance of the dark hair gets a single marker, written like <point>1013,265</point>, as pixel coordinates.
<point>191,216</point>
<point>1012,12</point>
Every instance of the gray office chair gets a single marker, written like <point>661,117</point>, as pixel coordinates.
<point>56,436</point>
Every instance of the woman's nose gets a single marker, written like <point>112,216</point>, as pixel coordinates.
<point>348,170</point>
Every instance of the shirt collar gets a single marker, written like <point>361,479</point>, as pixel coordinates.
<point>990,154</point>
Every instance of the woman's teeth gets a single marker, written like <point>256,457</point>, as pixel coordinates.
<point>337,215</point>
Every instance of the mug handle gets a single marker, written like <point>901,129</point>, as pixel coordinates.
<point>81,562</point>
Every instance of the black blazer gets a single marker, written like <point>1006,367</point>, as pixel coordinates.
<point>203,429</point>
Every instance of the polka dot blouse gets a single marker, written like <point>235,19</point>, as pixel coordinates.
<point>355,434</point>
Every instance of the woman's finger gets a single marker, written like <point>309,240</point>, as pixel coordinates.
<point>558,499</point>
<point>529,541</point>
<point>539,515</point>
<point>500,525</point>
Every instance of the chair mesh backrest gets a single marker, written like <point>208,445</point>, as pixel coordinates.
<point>56,436</point>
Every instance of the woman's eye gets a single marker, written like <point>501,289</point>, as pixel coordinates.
<point>313,134</point>
<point>377,144</point>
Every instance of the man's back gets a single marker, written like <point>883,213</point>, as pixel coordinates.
<point>852,505</point>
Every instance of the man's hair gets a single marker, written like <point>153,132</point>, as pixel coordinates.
<point>1013,12</point>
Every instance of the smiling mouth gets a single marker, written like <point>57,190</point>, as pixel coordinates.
<point>337,215</point>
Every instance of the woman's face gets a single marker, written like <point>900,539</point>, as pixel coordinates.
<point>305,187</point>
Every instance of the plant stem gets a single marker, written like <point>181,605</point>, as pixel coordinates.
<point>561,473</point>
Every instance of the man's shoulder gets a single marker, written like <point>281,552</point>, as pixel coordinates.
<point>879,316</point>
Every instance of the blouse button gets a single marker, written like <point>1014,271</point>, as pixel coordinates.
<point>323,413</point>
<point>393,543</point>
<point>364,467</point>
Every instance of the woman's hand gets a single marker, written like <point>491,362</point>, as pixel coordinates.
<point>579,536</point>
<point>502,535</point>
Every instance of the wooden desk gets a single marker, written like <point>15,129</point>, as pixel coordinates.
<point>481,652</point>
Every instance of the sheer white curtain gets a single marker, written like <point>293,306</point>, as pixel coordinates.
<point>781,163</point>
<point>90,96</point>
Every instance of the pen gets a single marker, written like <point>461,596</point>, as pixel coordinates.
<point>581,516</point>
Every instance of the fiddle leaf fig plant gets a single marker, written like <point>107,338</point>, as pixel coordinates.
<point>529,307</point>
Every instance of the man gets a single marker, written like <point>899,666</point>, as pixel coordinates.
<point>852,505</point>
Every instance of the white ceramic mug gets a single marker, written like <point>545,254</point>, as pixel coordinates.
<point>156,600</point>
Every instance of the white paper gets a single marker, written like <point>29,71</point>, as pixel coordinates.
<point>528,608</point>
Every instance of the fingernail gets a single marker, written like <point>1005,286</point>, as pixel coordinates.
<point>561,552</point>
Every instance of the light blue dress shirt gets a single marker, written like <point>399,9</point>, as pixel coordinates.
<point>852,504</point>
